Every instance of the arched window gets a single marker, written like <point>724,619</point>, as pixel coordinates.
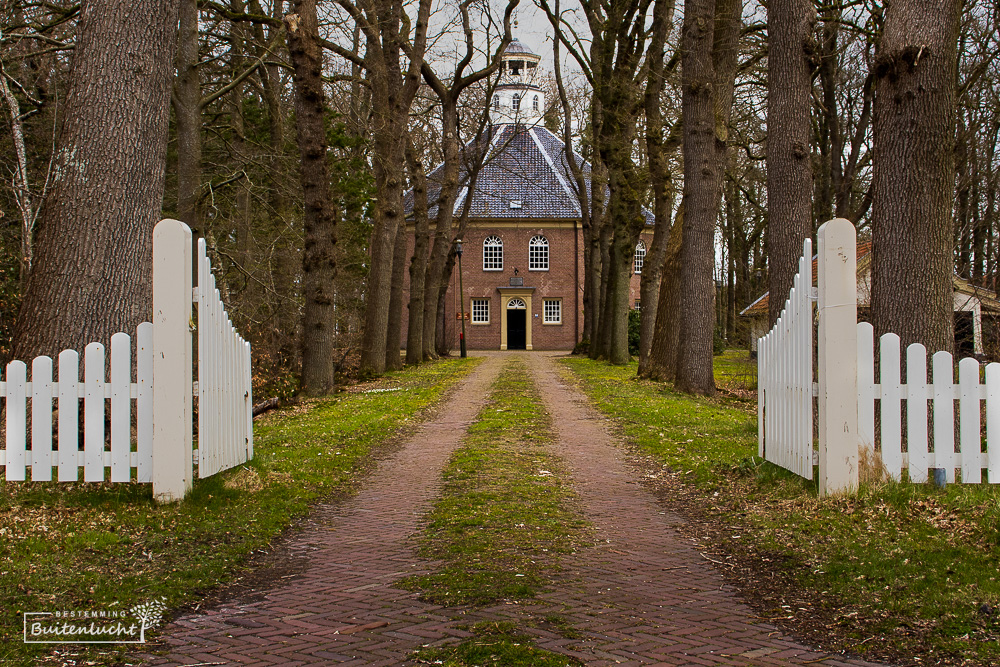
<point>538,254</point>
<point>516,304</point>
<point>640,256</point>
<point>534,103</point>
<point>493,254</point>
<point>496,102</point>
<point>516,104</point>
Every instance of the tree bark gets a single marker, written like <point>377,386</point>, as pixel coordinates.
<point>394,331</point>
<point>789,172</point>
<point>711,36</point>
<point>418,264</point>
<point>187,112</point>
<point>320,219</point>
<point>662,364</point>
<point>92,268</point>
<point>662,184</point>
<point>393,90</point>
<point>914,171</point>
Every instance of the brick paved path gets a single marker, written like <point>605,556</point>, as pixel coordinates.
<point>643,596</point>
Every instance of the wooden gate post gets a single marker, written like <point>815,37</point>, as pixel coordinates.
<point>172,361</point>
<point>838,357</point>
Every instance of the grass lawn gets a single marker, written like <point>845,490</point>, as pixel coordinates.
<point>899,571</point>
<point>109,546</point>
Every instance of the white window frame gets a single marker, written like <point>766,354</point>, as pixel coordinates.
<point>491,264</point>
<point>534,103</point>
<point>639,258</point>
<point>540,243</point>
<point>472,310</point>
<point>545,311</point>
<point>515,102</point>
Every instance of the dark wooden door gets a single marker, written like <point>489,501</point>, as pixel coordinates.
<point>516,329</point>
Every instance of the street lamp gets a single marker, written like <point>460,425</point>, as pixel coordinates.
<point>461,293</point>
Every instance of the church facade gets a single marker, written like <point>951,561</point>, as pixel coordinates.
<point>522,270</point>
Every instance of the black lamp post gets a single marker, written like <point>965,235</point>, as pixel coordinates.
<point>461,293</point>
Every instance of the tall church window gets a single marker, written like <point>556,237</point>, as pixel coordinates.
<point>640,256</point>
<point>538,254</point>
<point>534,103</point>
<point>496,102</point>
<point>493,254</point>
<point>517,102</point>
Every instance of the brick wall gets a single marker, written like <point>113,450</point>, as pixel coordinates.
<point>562,281</point>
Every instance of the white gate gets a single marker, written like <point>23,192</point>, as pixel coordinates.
<point>225,391</point>
<point>785,379</point>
<point>162,391</point>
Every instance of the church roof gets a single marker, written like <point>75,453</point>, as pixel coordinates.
<point>524,175</point>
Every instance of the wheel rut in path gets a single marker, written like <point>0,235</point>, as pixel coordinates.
<point>342,609</point>
<point>643,594</point>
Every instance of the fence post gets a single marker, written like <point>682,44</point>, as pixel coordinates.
<point>172,464</point>
<point>838,357</point>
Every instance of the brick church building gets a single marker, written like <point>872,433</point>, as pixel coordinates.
<point>522,263</point>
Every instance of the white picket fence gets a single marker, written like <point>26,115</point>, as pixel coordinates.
<point>95,392</point>
<point>847,390</point>
<point>161,449</point>
<point>225,391</point>
<point>925,449</point>
<point>785,378</point>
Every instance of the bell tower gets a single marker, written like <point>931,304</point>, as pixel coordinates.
<point>518,98</point>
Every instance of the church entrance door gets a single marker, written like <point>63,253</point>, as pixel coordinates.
<point>516,329</point>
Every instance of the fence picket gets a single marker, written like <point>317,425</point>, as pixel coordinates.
<point>69,415</point>
<point>17,420</point>
<point>121,407</point>
<point>944,413</point>
<point>248,379</point>
<point>144,402</point>
<point>993,421</point>
<point>866,385</point>
<point>93,413</point>
<point>41,419</point>
<point>890,405</point>
<point>969,422</point>
<point>916,411</point>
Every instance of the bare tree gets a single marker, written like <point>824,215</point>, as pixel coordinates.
<point>789,171</point>
<point>320,219</point>
<point>914,172</point>
<point>92,263</point>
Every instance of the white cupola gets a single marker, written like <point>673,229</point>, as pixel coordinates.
<point>517,97</point>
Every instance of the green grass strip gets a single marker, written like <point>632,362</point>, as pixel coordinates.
<point>493,643</point>
<point>504,516</point>
<point>897,570</point>
<point>109,546</point>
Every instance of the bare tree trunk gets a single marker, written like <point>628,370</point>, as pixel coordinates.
<point>91,274</point>
<point>913,179</point>
<point>789,173</point>
<point>662,364</point>
<point>187,112</point>
<point>660,177</point>
<point>318,262</point>
<point>418,264</point>
<point>393,90</point>
<point>394,331</point>
<point>711,36</point>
